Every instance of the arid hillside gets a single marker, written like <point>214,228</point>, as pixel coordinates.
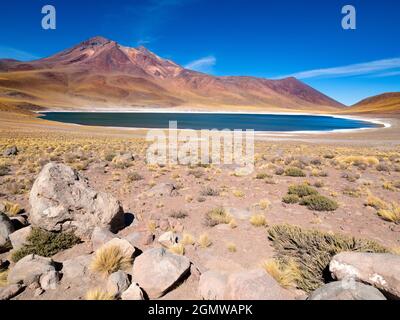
<point>100,73</point>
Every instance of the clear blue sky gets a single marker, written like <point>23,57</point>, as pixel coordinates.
<point>268,38</point>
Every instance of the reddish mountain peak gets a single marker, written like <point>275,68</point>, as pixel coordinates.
<point>95,42</point>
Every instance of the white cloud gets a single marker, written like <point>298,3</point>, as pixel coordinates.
<point>12,53</point>
<point>204,64</point>
<point>368,68</point>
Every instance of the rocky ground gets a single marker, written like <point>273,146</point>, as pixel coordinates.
<point>84,217</point>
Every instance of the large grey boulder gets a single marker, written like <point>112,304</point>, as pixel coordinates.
<point>6,229</point>
<point>100,236</point>
<point>212,285</point>
<point>347,289</point>
<point>19,238</point>
<point>381,270</point>
<point>255,285</point>
<point>30,269</point>
<point>62,200</point>
<point>117,283</point>
<point>157,271</point>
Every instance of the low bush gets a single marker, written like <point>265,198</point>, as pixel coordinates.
<point>319,203</point>
<point>294,172</point>
<point>45,244</point>
<point>313,250</point>
<point>291,199</point>
<point>302,190</point>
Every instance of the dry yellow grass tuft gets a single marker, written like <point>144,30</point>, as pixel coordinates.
<point>98,294</point>
<point>151,226</point>
<point>204,241</point>
<point>358,160</point>
<point>286,275</point>
<point>177,248</point>
<point>258,220</point>
<point>217,216</point>
<point>391,213</point>
<point>3,278</point>
<point>375,202</point>
<point>187,239</point>
<point>233,224</point>
<point>264,204</point>
<point>231,247</point>
<point>238,193</point>
<point>110,259</point>
<point>12,209</point>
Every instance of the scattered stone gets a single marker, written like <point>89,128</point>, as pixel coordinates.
<point>139,239</point>
<point>347,289</point>
<point>6,229</point>
<point>255,285</point>
<point>163,189</point>
<point>38,292</point>
<point>18,238</point>
<point>11,291</point>
<point>381,270</point>
<point>11,151</point>
<point>77,268</point>
<point>212,285</point>
<point>29,269</point>
<point>124,158</point>
<point>62,200</point>
<point>133,293</point>
<point>49,280</point>
<point>157,271</point>
<point>100,236</point>
<point>117,283</point>
<point>168,239</point>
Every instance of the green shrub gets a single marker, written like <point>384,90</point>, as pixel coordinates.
<point>294,172</point>
<point>302,190</point>
<point>45,244</point>
<point>319,203</point>
<point>291,198</point>
<point>312,251</point>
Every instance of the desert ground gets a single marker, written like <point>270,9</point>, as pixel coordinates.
<point>219,220</point>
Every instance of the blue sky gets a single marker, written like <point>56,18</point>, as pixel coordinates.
<point>268,38</point>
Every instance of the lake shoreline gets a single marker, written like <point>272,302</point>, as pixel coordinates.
<point>381,124</point>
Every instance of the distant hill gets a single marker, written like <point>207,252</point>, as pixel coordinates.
<point>383,103</point>
<point>101,73</point>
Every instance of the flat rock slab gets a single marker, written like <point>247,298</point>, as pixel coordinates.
<point>255,285</point>
<point>381,270</point>
<point>346,290</point>
<point>157,271</point>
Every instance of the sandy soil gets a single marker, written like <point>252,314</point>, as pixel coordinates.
<point>252,247</point>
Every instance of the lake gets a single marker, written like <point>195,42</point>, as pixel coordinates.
<point>257,122</point>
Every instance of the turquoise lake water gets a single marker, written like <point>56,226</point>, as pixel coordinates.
<point>257,122</point>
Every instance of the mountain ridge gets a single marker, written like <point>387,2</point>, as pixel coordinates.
<point>99,72</point>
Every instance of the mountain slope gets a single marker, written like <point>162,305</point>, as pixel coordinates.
<point>383,103</point>
<point>100,73</point>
